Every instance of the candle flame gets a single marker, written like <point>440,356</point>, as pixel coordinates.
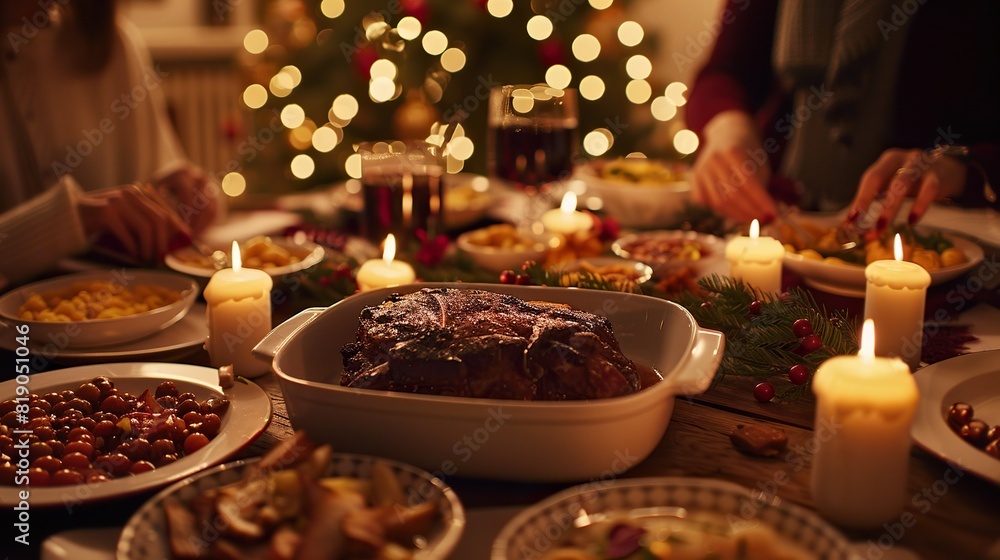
<point>568,205</point>
<point>237,259</point>
<point>389,252</point>
<point>754,229</point>
<point>867,351</point>
<point>897,248</point>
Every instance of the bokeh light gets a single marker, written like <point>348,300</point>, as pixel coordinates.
<point>453,59</point>
<point>383,68</point>
<point>598,142</point>
<point>638,91</point>
<point>638,67</point>
<point>292,115</point>
<point>461,148</point>
<point>234,184</point>
<point>434,42</point>
<point>586,47</point>
<point>663,109</point>
<point>332,8</point>
<point>345,106</point>
<point>353,166</point>
<point>539,28</point>
<point>591,87</point>
<point>303,166</point>
<point>522,100</point>
<point>630,33</point>
<point>499,8</point>
<point>685,141</point>
<point>558,76</point>
<point>294,74</point>
<point>255,41</point>
<point>381,89</point>
<point>324,139</point>
<point>281,84</point>
<point>255,96</point>
<point>600,4</point>
<point>675,93</point>
<point>409,28</point>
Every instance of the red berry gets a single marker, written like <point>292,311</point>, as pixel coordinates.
<point>798,374</point>
<point>507,277</point>
<point>707,304</point>
<point>522,280</point>
<point>811,343</point>
<point>755,307</point>
<point>763,392</point>
<point>802,328</point>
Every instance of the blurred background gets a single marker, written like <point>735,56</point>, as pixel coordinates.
<point>271,96</point>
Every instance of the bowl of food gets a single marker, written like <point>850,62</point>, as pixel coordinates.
<point>667,518</point>
<point>812,251</point>
<point>299,501</point>
<point>558,381</point>
<point>277,256</point>
<point>502,246</point>
<point>105,431</point>
<point>667,251</point>
<point>622,272</point>
<point>98,308</point>
<point>638,192</point>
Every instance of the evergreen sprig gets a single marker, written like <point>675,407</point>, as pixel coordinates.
<point>762,345</point>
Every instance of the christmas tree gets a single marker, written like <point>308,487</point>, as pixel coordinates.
<point>324,76</point>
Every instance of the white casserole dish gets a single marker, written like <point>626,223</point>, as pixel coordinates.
<point>540,441</point>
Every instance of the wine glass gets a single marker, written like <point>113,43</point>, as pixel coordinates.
<point>533,140</point>
<point>402,189</point>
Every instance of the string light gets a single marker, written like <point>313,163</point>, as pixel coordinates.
<point>353,166</point>
<point>434,42</point>
<point>345,106</point>
<point>324,139</point>
<point>638,67</point>
<point>675,93</point>
<point>332,8</point>
<point>453,59</point>
<point>586,47</point>
<point>663,109</point>
<point>292,115</point>
<point>638,91</point>
<point>409,28</point>
<point>294,74</point>
<point>234,184</point>
<point>255,41</point>
<point>255,96</point>
<point>303,166</point>
<point>558,76</point>
<point>539,27</point>
<point>591,87</point>
<point>499,8</point>
<point>597,142</point>
<point>381,89</point>
<point>383,68</point>
<point>685,141</point>
<point>461,148</point>
<point>600,4</point>
<point>630,33</point>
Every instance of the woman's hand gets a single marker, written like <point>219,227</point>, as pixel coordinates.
<point>192,196</point>
<point>727,178</point>
<point>899,173</point>
<point>129,217</point>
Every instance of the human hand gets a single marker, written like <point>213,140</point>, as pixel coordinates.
<point>191,195</point>
<point>727,176</point>
<point>899,173</point>
<point>128,217</point>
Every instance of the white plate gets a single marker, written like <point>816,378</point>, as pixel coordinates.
<point>248,415</point>
<point>176,341</point>
<point>145,535</point>
<point>547,523</point>
<point>314,253</point>
<point>101,332</point>
<point>973,379</point>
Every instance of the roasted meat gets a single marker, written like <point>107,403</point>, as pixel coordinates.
<point>474,343</point>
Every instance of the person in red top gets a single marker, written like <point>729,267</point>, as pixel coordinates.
<point>837,104</point>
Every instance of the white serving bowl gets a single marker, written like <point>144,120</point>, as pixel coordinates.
<point>541,441</point>
<point>101,332</point>
<point>714,250</point>
<point>145,537</point>
<point>497,259</point>
<point>544,525</point>
<point>636,205</point>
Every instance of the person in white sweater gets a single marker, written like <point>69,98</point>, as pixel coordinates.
<point>89,156</point>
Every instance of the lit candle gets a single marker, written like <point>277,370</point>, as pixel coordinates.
<point>239,315</point>
<point>385,272</point>
<point>756,260</point>
<point>566,220</point>
<point>864,408</point>
<point>894,297</point>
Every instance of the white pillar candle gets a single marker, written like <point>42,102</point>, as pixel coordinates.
<point>566,220</point>
<point>385,272</point>
<point>894,297</point>
<point>239,316</point>
<point>756,260</point>
<point>864,408</point>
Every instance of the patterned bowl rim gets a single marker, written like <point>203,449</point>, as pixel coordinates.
<point>451,532</point>
<point>546,507</point>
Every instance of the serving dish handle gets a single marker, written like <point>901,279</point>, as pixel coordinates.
<point>272,341</point>
<point>697,373</point>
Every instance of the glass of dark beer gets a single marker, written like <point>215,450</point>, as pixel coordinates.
<point>402,189</point>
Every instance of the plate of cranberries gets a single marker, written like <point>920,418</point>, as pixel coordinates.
<point>96,432</point>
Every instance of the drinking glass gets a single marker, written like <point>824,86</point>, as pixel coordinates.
<point>532,139</point>
<point>402,189</point>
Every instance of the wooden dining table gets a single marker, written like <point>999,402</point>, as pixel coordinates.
<point>949,513</point>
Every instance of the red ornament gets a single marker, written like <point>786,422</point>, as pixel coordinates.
<point>763,392</point>
<point>811,343</point>
<point>522,280</point>
<point>802,328</point>
<point>755,308</point>
<point>798,374</point>
<point>508,277</point>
